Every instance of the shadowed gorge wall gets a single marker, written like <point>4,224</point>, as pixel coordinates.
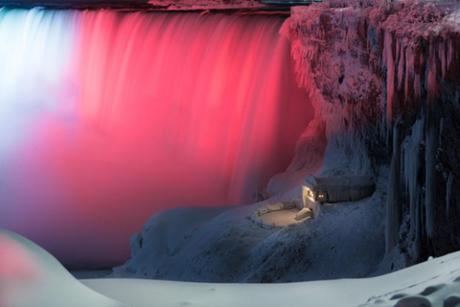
<point>107,118</point>
<point>389,80</point>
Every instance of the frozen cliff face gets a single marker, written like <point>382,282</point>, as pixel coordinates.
<point>332,62</point>
<point>385,79</point>
<point>332,65</point>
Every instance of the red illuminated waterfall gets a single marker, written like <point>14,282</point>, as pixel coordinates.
<point>153,111</point>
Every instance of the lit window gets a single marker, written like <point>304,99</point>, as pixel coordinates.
<point>322,196</point>
<point>309,194</point>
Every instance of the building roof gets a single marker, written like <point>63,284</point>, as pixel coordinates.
<point>339,182</point>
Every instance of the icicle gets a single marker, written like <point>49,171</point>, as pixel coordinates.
<point>388,61</point>
<point>450,181</point>
<point>393,202</point>
<point>408,70</point>
<point>450,53</point>
<point>401,63</point>
<point>417,86</point>
<point>432,83</point>
<point>411,169</point>
<point>442,58</point>
<point>430,173</point>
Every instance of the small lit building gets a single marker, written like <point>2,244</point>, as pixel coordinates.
<point>315,191</point>
<point>335,189</point>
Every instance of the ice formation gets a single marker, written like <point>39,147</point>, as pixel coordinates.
<point>386,75</point>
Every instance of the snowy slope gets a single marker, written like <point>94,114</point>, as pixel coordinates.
<point>30,277</point>
<point>230,245</point>
<point>433,282</point>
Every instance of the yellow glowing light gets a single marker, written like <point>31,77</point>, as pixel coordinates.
<point>322,196</point>
<point>309,194</point>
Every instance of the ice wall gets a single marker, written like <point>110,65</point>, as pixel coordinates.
<point>108,118</point>
<point>384,79</point>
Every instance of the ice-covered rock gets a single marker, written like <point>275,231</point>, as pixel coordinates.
<point>384,78</point>
<point>227,245</point>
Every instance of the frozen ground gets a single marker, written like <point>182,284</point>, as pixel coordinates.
<point>280,218</point>
<point>31,277</point>
<point>346,240</point>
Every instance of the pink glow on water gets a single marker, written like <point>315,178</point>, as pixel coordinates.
<point>155,112</point>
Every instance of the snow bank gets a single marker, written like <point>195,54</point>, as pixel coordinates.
<point>35,278</point>
<point>216,245</point>
<point>31,277</point>
<point>432,283</point>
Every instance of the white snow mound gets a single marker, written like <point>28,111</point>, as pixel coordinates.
<point>435,282</point>
<point>31,277</point>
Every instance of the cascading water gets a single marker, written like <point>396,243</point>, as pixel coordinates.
<point>107,118</point>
